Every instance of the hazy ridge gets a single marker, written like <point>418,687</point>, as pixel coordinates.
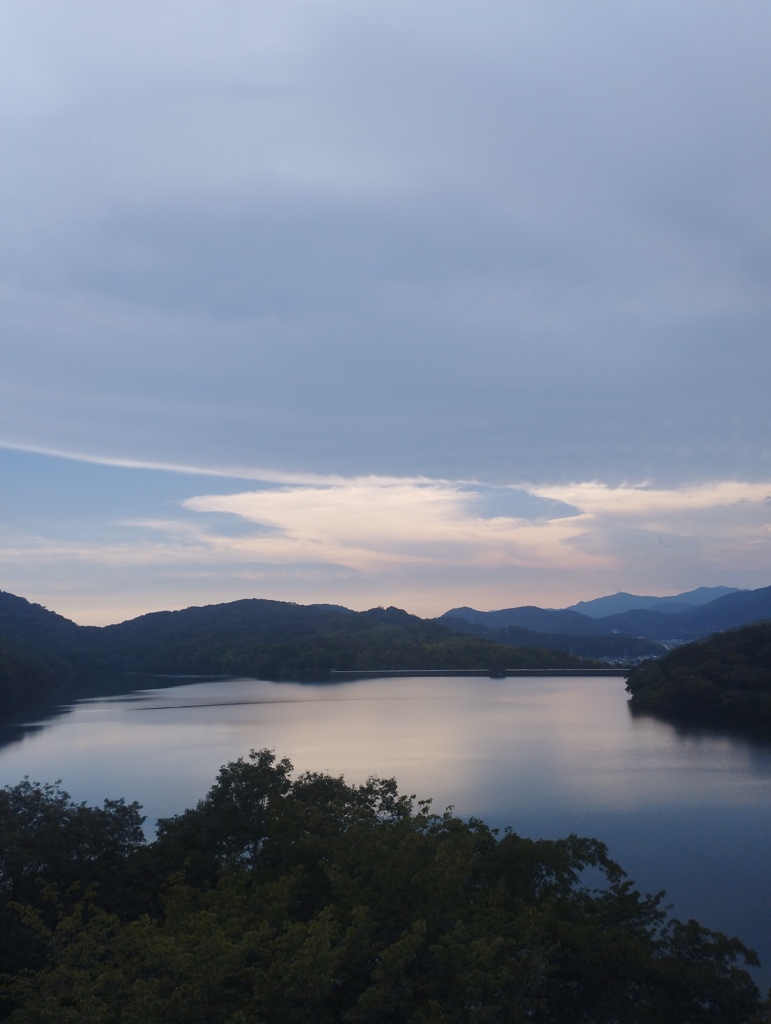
<point>727,611</point>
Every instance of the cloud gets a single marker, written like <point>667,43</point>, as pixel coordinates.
<point>357,238</point>
<point>645,502</point>
<point>231,472</point>
<point>717,524</point>
<point>365,256</point>
<point>423,543</point>
<point>378,525</point>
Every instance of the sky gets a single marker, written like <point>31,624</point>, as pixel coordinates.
<point>426,304</point>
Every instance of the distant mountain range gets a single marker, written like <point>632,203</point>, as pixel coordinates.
<point>281,640</point>
<point>42,652</point>
<point>661,622</point>
<point>623,602</point>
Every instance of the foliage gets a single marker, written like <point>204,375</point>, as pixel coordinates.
<point>312,900</point>
<point>45,835</point>
<point>23,678</point>
<point>51,850</point>
<point>724,679</point>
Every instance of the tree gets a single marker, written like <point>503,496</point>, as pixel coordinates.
<point>230,825</point>
<point>51,850</point>
<point>336,904</point>
<point>46,837</point>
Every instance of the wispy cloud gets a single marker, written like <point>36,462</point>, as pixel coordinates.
<point>377,524</point>
<point>381,524</point>
<point>644,500</point>
<point>229,472</point>
<point>365,272</point>
<point>425,544</point>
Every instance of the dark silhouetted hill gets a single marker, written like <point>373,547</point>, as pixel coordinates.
<point>725,679</point>
<point>41,651</point>
<point>617,648</point>
<point>32,627</point>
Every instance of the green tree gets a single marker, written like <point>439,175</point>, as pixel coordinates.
<point>327,903</point>
<point>51,850</point>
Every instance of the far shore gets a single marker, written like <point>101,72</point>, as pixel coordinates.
<point>340,674</point>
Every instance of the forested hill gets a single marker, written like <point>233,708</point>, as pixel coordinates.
<point>724,679</point>
<point>588,642</point>
<point>267,639</point>
<point>279,640</point>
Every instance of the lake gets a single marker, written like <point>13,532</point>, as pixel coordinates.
<point>686,811</point>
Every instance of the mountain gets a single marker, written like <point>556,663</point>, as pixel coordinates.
<point>40,651</point>
<point>619,631</point>
<point>32,628</point>
<point>729,612</point>
<point>615,604</point>
<point>539,620</point>
<point>32,645</point>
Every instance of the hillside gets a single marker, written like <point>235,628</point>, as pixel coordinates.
<point>33,629</point>
<point>38,652</point>
<point>280,640</point>
<point>725,679</point>
<point>618,648</point>
<point>23,678</point>
<point>41,652</point>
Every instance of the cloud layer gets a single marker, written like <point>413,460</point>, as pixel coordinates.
<point>521,242</point>
<point>393,527</point>
<point>372,253</point>
<point>423,544</point>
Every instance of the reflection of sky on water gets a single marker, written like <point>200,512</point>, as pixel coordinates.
<point>685,812</point>
<point>490,747</point>
<point>511,751</point>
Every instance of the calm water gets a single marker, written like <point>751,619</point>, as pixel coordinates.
<point>689,813</point>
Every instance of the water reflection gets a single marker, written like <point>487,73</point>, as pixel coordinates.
<point>685,810</point>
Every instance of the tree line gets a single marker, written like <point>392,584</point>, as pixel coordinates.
<point>307,900</point>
